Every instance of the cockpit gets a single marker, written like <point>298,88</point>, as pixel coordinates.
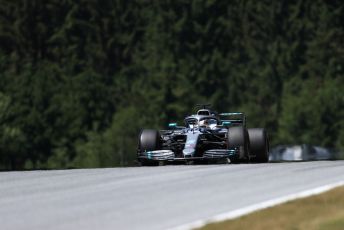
<point>207,122</point>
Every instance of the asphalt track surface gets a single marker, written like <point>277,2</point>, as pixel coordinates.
<point>149,197</point>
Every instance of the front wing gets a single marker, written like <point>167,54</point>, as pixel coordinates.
<point>168,155</point>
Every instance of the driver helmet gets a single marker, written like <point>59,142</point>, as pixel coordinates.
<point>203,122</point>
<point>209,123</point>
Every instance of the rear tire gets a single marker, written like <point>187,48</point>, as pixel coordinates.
<point>259,145</point>
<point>238,137</point>
<point>149,140</point>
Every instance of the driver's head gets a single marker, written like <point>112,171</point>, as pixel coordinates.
<point>204,123</point>
<point>209,123</point>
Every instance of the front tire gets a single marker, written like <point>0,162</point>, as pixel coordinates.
<point>149,140</point>
<point>238,137</point>
<point>259,145</point>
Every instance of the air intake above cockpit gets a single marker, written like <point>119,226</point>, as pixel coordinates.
<point>204,112</point>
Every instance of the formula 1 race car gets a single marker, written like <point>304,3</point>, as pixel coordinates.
<point>206,137</point>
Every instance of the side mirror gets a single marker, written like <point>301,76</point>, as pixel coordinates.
<point>172,125</point>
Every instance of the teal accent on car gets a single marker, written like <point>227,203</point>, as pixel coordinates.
<point>229,114</point>
<point>172,125</point>
<point>231,152</point>
<point>226,123</point>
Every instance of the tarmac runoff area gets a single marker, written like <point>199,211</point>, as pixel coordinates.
<point>166,197</point>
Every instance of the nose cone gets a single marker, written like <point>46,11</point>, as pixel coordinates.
<point>188,152</point>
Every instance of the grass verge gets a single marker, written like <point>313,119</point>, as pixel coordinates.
<point>322,212</point>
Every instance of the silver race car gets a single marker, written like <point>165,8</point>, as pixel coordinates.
<point>206,137</point>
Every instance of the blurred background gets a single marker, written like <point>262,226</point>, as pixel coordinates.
<point>79,79</point>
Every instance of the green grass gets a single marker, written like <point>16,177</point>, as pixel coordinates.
<point>320,212</point>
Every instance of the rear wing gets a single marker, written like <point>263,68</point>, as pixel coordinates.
<point>233,119</point>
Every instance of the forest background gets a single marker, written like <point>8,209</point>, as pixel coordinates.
<point>79,79</point>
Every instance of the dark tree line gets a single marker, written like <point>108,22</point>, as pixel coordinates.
<point>78,79</point>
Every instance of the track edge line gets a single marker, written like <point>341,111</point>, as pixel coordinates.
<point>259,206</point>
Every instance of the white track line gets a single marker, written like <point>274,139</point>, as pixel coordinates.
<point>255,207</point>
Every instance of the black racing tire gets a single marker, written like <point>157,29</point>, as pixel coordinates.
<point>149,140</point>
<point>259,145</point>
<point>238,137</point>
